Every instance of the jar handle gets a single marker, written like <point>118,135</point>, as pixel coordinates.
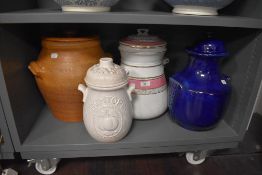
<point>84,90</point>
<point>165,61</point>
<point>127,72</point>
<point>35,69</point>
<point>130,89</point>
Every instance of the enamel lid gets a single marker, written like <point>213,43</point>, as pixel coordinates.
<point>106,75</point>
<point>143,40</point>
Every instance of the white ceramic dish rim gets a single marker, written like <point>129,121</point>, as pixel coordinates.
<point>75,8</point>
<point>195,10</point>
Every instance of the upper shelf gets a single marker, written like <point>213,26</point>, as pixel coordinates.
<point>153,17</point>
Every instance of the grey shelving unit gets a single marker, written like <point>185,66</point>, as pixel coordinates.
<point>6,147</point>
<point>37,134</point>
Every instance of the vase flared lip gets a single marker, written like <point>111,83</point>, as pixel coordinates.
<point>209,48</point>
<point>194,53</point>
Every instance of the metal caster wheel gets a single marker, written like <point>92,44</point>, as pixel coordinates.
<point>195,158</point>
<point>40,169</point>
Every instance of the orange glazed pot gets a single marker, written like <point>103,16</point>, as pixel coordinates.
<point>61,66</point>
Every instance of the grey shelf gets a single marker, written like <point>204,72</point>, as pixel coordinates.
<point>50,134</point>
<point>36,133</point>
<point>7,155</point>
<point>6,148</point>
<point>151,17</point>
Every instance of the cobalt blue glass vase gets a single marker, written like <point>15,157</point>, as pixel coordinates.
<point>199,93</point>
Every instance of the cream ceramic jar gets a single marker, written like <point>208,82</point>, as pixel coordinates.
<point>142,55</point>
<point>108,111</point>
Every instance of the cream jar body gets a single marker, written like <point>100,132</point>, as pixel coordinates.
<point>150,95</point>
<point>142,56</point>
<point>107,110</point>
<point>107,114</point>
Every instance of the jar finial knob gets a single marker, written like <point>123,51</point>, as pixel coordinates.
<point>143,32</point>
<point>106,62</point>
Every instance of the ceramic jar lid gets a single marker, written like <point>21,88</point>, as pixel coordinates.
<point>106,75</point>
<point>143,40</point>
<point>209,48</point>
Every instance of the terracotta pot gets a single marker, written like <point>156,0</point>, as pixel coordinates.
<point>60,67</point>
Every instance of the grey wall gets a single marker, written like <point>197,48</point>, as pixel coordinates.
<point>259,101</point>
<point>13,5</point>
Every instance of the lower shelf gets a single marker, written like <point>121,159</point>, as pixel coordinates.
<point>6,155</point>
<point>50,135</point>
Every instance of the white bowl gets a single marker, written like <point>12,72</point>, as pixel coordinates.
<point>198,7</point>
<point>86,5</point>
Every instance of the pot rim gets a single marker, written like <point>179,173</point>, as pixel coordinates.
<point>142,50</point>
<point>70,42</point>
<point>70,39</point>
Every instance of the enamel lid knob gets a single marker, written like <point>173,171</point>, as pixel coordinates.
<point>106,75</point>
